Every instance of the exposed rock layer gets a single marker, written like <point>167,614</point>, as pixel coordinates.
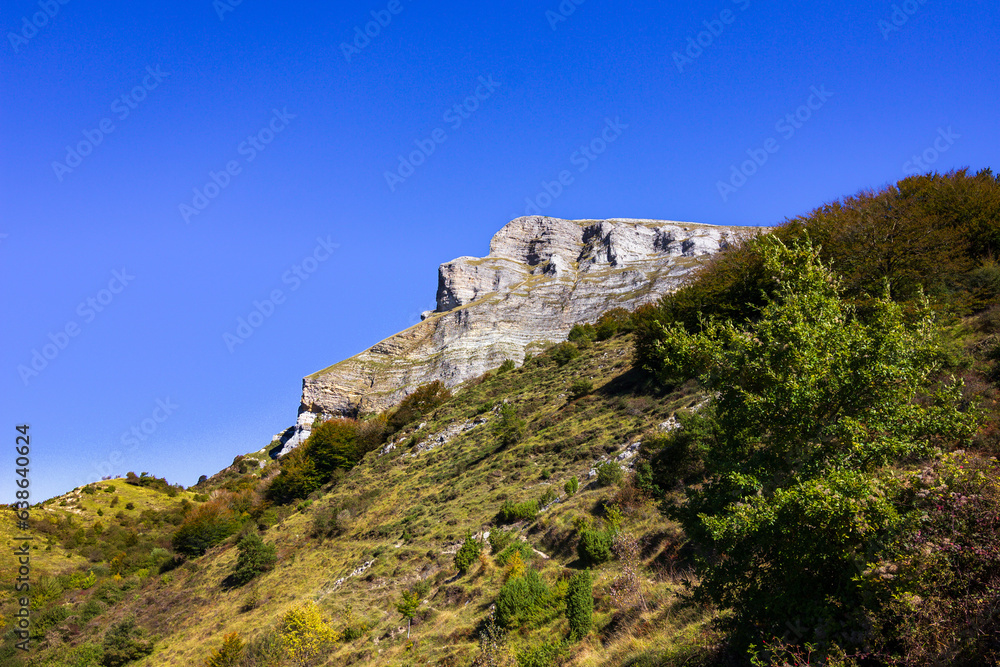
<point>542,276</point>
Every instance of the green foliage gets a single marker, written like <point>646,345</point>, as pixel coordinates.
<point>255,557</point>
<point>678,457</point>
<point>594,546</point>
<point>583,335</point>
<point>580,605</point>
<point>508,427</point>
<point>203,528</point>
<point>811,402</point>
<point>89,490</point>
<point>546,654</point>
<point>609,473</point>
<point>522,601</point>
<point>468,553</point>
<point>424,399</point>
<point>297,479</point>
<point>519,547</point>
<point>507,366</point>
<point>563,353</point>
<point>499,539</point>
<point>511,511</point>
<point>230,654</point>
<point>580,388</point>
<point>125,642</point>
<point>408,604</point>
<point>334,445</point>
<point>571,486</point>
<point>613,322</point>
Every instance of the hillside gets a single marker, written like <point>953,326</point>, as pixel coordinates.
<point>789,460</point>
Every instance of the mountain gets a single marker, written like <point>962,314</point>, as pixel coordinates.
<point>542,276</point>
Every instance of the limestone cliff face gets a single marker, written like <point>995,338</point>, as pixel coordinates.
<point>542,276</point>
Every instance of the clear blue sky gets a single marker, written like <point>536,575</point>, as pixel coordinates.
<point>113,114</point>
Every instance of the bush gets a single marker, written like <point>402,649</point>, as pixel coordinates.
<point>594,547</point>
<point>571,486</point>
<point>499,539</point>
<point>508,427</point>
<point>580,605</point>
<point>582,335</point>
<point>547,498</point>
<point>424,399</point>
<point>563,353</point>
<point>519,547</point>
<point>507,366</point>
<point>89,490</point>
<point>468,553</point>
<point>613,322</point>
<point>125,642</point>
<point>255,558</point>
<point>543,655</point>
<point>511,511</point>
<point>522,601</point>
<point>305,635</point>
<point>203,528</point>
<point>609,473</point>
<point>297,479</point>
<point>230,654</point>
<point>580,388</point>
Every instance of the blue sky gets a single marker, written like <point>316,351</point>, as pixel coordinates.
<point>167,170</point>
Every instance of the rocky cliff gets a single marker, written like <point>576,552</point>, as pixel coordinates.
<point>542,276</point>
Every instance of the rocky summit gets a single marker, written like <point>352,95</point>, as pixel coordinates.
<point>542,276</point>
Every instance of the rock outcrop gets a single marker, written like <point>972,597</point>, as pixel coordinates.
<point>542,276</point>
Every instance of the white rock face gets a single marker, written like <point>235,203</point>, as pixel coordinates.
<point>542,276</point>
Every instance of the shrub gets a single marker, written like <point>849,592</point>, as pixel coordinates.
<point>580,605</point>
<point>424,399</point>
<point>546,654</point>
<point>609,473</point>
<point>594,547</point>
<point>255,558</point>
<point>89,490</point>
<point>507,366</point>
<point>520,547</point>
<point>547,498</point>
<point>468,553</point>
<point>297,479</point>
<point>305,635</point>
<point>125,642</point>
<point>511,511</point>
<point>580,388</point>
<point>571,486</point>
<point>509,428</point>
<point>563,353</point>
<point>522,600</point>
<point>499,539</point>
<point>582,335</point>
<point>130,506</point>
<point>203,528</point>
<point>110,488</point>
<point>614,321</point>
<point>230,654</point>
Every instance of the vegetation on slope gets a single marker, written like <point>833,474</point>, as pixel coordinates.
<point>795,467</point>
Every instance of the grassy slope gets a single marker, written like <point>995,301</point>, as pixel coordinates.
<point>411,509</point>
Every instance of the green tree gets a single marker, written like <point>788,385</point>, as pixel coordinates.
<point>305,635</point>
<point>407,607</point>
<point>508,427</point>
<point>468,553</point>
<point>255,558</point>
<point>203,528</point>
<point>580,604</point>
<point>812,403</point>
<point>125,642</point>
